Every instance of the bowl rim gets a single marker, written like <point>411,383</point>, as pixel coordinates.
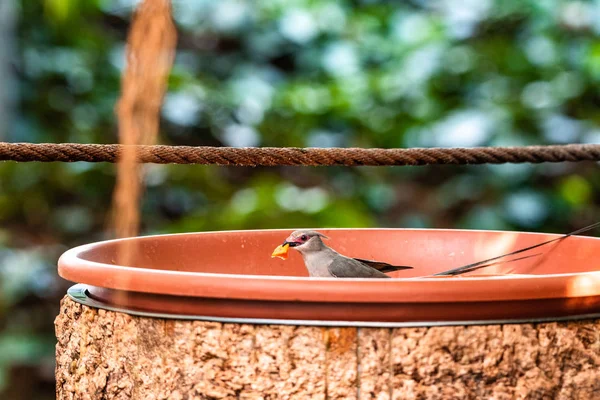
<point>74,267</point>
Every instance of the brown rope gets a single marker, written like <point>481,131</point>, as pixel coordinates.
<point>276,156</point>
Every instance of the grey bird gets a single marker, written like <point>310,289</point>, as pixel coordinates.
<point>324,262</point>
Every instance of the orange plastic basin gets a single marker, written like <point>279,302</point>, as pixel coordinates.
<point>230,274</point>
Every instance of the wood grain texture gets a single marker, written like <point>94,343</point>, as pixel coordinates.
<point>109,355</point>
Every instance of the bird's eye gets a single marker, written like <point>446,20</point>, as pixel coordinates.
<point>303,237</point>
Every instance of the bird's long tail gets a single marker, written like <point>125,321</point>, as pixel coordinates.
<point>487,263</point>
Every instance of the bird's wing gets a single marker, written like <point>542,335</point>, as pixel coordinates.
<point>382,266</point>
<point>344,267</point>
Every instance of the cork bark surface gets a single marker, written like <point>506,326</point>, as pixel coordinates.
<point>109,355</point>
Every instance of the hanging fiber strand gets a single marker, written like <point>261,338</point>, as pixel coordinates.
<point>150,53</point>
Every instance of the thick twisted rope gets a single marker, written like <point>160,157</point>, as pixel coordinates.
<point>276,156</point>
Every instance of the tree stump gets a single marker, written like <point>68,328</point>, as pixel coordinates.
<point>111,355</point>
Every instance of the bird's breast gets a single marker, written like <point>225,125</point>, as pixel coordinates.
<point>317,266</point>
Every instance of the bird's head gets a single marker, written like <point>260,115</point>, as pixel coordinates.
<point>303,240</point>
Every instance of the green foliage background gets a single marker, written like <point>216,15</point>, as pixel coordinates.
<point>292,73</point>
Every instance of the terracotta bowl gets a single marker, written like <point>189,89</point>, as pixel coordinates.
<point>230,275</point>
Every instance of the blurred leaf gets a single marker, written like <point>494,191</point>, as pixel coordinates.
<point>60,10</point>
<point>576,190</point>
